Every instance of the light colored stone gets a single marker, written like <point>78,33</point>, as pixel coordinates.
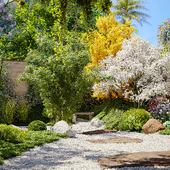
<point>60,127</point>
<point>49,127</point>
<point>71,133</point>
<point>15,126</point>
<point>63,127</point>
<point>96,122</point>
<point>152,126</point>
<point>74,118</point>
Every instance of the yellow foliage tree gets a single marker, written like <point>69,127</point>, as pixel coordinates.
<point>107,40</point>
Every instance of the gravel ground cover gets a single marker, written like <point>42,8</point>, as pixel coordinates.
<point>79,154</point>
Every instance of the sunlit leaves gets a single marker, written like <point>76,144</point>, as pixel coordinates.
<point>108,39</point>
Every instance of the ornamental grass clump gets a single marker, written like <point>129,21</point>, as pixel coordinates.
<point>161,112</point>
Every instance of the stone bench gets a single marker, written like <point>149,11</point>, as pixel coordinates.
<point>84,113</point>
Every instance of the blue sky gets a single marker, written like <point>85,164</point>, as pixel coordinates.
<point>159,10</point>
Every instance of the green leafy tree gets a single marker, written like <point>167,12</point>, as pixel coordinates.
<point>6,24</point>
<point>36,18</point>
<point>126,10</point>
<point>57,72</point>
<point>29,21</point>
<point>103,5</point>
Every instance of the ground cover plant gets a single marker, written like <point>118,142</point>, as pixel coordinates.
<point>11,143</point>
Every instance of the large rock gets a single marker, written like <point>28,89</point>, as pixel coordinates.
<point>152,126</point>
<point>63,127</point>
<point>96,122</point>
<point>160,158</point>
<point>71,133</point>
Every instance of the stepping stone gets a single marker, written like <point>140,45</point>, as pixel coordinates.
<point>160,158</point>
<point>100,131</point>
<point>117,140</point>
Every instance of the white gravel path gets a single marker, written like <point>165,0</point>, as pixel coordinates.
<point>79,154</point>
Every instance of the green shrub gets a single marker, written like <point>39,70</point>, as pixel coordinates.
<point>115,104</point>
<point>134,119</point>
<point>49,124</point>
<point>113,119</point>
<point>37,125</point>
<point>9,110</point>
<point>102,114</point>
<point>11,134</point>
<point>166,124</point>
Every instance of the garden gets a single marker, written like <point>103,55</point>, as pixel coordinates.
<point>106,70</point>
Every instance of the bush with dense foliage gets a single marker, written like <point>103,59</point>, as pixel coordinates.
<point>134,119</point>
<point>57,72</point>
<point>108,39</point>
<point>11,134</point>
<point>166,124</point>
<point>35,18</point>
<point>116,103</point>
<point>37,125</point>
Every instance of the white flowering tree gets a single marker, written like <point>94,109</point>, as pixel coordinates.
<point>140,66</point>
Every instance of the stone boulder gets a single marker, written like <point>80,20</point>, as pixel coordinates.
<point>71,133</point>
<point>160,158</point>
<point>74,118</point>
<point>63,127</point>
<point>96,122</point>
<point>152,126</point>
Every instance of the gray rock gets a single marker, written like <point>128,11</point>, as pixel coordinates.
<point>74,118</point>
<point>96,122</point>
<point>71,133</point>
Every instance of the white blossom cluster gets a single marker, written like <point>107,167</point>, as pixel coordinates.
<point>141,62</point>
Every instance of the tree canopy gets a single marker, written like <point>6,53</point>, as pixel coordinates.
<point>126,10</point>
<point>103,5</point>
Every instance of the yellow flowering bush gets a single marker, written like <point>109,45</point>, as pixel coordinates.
<point>107,40</point>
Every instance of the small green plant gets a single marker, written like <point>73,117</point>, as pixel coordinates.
<point>113,119</point>
<point>9,110</point>
<point>23,111</point>
<point>11,134</point>
<point>134,119</point>
<point>102,114</point>
<point>50,124</point>
<point>166,124</point>
<point>37,125</point>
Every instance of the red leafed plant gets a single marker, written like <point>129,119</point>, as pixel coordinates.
<point>155,101</point>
